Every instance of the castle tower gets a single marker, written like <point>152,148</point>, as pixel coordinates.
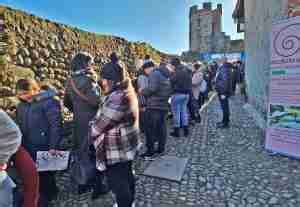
<point>205,23</point>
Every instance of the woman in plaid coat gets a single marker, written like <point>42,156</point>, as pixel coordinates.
<point>115,133</point>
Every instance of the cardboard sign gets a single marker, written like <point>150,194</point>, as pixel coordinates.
<point>47,162</point>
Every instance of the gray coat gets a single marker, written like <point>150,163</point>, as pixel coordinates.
<point>83,111</point>
<point>6,190</point>
<point>10,137</point>
<point>159,90</point>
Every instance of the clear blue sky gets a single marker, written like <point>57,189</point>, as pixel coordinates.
<point>162,23</point>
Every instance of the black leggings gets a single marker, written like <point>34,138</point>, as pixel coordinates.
<point>121,181</point>
<point>48,188</point>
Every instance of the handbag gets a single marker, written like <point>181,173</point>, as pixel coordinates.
<point>83,167</point>
<point>83,161</point>
<point>203,86</point>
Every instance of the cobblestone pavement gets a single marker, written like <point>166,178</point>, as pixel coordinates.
<point>227,167</point>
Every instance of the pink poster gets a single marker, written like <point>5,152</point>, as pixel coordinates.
<point>285,43</point>
<point>283,132</point>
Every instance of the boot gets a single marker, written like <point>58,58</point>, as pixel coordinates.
<point>175,133</point>
<point>101,187</point>
<point>186,131</point>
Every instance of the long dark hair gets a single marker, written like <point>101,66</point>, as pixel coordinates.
<point>125,80</point>
<point>126,85</point>
<point>81,61</point>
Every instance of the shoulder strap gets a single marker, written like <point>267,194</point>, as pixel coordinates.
<point>78,93</point>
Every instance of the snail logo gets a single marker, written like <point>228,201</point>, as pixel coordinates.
<point>287,42</point>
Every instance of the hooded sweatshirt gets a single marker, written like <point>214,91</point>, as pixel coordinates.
<point>10,140</point>
<point>10,137</point>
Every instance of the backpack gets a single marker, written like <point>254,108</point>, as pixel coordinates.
<point>203,87</point>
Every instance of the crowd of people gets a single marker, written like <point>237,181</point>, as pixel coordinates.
<point>110,112</point>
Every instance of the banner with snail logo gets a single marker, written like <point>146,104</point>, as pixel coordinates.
<point>283,133</point>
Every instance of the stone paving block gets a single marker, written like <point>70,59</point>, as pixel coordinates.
<point>167,167</point>
<point>226,167</point>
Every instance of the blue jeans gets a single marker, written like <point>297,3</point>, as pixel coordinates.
<point>225,108</point>
<point>6,192</point>
<point>179,107</point>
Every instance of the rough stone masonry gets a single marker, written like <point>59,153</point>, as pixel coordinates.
<point>43,49</point>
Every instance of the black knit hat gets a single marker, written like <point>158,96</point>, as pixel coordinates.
<point>175,62</point>
<point>80,61</point>
<point>114,57</point>
<point>112,72</point>
<point>148,65</point>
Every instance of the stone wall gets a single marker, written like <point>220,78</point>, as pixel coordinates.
<point>259,15</point>
<point>45,48</point>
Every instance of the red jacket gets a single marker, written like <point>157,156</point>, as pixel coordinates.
<point>27,170</point>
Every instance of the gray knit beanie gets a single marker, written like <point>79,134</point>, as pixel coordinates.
<point>10,137</point>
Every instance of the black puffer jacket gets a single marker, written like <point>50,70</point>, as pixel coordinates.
<point>182,80</point>
<point>224,80</point>
<point>159,90</point>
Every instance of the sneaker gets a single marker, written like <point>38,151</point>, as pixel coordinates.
<point>148,156</point>
<point>175,133</point>
<point>100,191</point>
<point>198,120</point>
<point>160,153</point>
<point>220,124</point>
<point>116,205</point>
<point>273,153</point>
<point>223,126</point>
<point>186,131</point>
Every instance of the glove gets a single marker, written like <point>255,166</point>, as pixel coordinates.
<point>223,97</point>
<point>92,75</point>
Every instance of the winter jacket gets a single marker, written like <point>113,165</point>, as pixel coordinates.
<point>197,81</point>
<point>26,169</point>
<point>115,130</point>
<point>6,190</point>
<point>159,90</point>
<point>223,80</point>
<point>10,140</point>
<point>83,111</point>
<point>40,121</point>
<point>10,137</point>
<point>182,80</point>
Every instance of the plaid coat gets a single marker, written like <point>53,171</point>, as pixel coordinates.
<point>115,130</point>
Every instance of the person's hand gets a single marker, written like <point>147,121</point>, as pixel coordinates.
<point>169,67</point>
<point>54,152</point>
<point>140,91</point>
<point>3,167</point>
<point>223,97</point>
